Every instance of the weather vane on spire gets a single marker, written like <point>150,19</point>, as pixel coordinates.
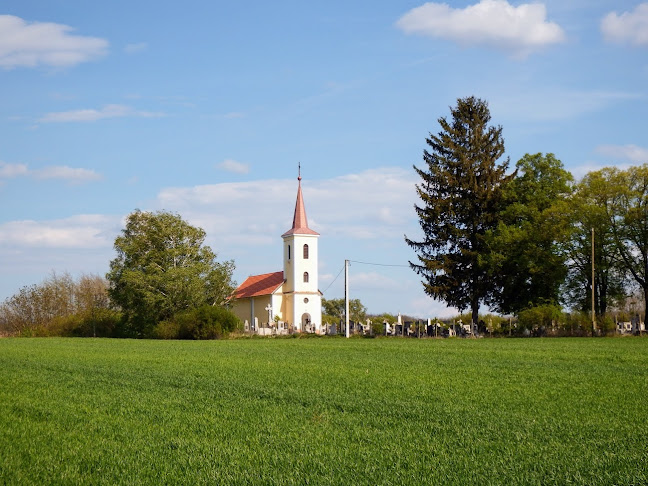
<point>299,171</point>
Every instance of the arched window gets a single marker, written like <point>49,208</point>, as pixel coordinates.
<point>305,252</point>
<point>288,252</point>
<point>305,277</point>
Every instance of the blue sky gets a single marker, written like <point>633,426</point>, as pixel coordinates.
<point>205,109</point>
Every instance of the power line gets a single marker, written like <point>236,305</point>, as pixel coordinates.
<point>379,264</point>
<point>334,279</point>
<point>364,263</point>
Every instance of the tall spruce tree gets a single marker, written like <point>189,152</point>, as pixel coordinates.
<point>461,197</point>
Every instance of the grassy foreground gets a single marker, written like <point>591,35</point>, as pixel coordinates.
<point>324,411</point>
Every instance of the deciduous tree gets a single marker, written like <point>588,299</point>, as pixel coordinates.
<point>335,308</point>
<point>628,215</point>
<point>588,210</point>
<point>163,267</point>
<point>527,248</point>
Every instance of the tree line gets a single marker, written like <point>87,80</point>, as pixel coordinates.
<point>164,282</point>
<point>521,239</point>
<point>60,306</point>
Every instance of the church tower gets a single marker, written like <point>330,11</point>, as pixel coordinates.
<point>302,302</point>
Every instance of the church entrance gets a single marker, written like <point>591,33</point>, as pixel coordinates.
<point>306,323</point>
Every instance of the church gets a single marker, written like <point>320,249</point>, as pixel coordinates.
<point>288,300</point>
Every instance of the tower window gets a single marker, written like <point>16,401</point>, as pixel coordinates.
<point>305,252</point>
<point>288,252</point>
<point>305,277</point>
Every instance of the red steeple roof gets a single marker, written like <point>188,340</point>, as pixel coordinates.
<point>300,223</point>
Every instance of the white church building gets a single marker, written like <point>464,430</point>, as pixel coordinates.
<point>291,296</point>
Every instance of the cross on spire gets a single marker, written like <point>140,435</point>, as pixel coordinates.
<point>300,223</point>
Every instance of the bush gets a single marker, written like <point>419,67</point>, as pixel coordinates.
<point>205,322</point>
<point>64,326</point>
<point>606,325</point>
<point>99,323</point>
<point>167,330</point>
<point>577,324</point>
<point>539,318</point>
<point>496,325</point>
<point>377,328</point>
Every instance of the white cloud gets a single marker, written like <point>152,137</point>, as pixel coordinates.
<point>496,23</point>
<point>25,44</point>
<point>82,231</point>
<point>425,307</point>
<point>372,204</point>
<point>12,170</point>
<point>627,28</point>
<point>135,48</point>
<point>70,174</point>
<point>632,153</point>
<point>90,115</point>
<point>230,165</point>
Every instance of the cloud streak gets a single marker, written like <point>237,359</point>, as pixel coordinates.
<point>8,171</point>
<point>25,44</point>
<point>91,115</point>
<point>230,165</point>
<point>518,30</point>
<point>546,104</point>
<point>135,48</point>
<point>81,231</point>
<point>71,174</point>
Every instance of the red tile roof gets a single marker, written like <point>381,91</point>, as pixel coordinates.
<point>300,223</point>
<point>259,285</point>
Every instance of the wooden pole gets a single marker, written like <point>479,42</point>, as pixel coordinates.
<point>346,295</point>
<point>593,293</point>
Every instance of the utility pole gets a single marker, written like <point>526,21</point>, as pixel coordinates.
<point>593,293</point>
<point>346,295</point>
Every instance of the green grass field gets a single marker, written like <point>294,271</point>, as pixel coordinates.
<point>324,411</point>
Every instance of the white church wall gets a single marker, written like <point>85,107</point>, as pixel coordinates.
<point>250,308</point>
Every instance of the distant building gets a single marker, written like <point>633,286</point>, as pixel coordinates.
<point>291,296</point>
